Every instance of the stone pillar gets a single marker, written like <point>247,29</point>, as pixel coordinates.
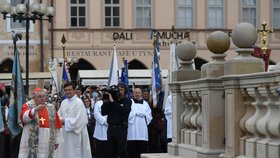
<point>244,37</point>
<point>213,105</point>
<point>186,53</point>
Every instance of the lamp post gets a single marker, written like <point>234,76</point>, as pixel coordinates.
<point>24,12</point>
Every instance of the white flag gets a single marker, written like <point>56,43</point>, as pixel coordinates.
<point>173,66</point>
<point>54,81</point>
<point>114,72</point>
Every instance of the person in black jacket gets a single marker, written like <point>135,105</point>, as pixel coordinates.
<point>5,135</point>
<point>117,109</point>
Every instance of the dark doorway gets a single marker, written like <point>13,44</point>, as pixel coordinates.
<point>7,66</point>
<point>199,62</point>
<point>271,62</point>
<point>136,64</point>
<point>81,65</point>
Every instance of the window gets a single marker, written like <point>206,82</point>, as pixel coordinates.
<point>112,13</point>
<point>143,13</point>
<point>78,13</point>
<point>248,8</point>
<point>276,14</point>
<point>215,13</point>
<point>184,13</point>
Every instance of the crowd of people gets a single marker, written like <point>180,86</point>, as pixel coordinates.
<point>99,122</point>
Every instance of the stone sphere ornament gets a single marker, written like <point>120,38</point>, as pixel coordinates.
<point>218,42</point>
<point>244,35</point>
<point>186,51</point>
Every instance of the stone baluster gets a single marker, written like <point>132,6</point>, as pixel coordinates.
<point>197,110</point>
<point>251,123</point>
<point>244,36</point>
<point>247,103</point>
<point>271,116</point>
<point>199,117</point>
<point>274,125</point>
<point>196,133</point>
<point>186,118</point>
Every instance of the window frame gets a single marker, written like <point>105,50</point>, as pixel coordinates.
<point>186,8</point>
<point>111,5</point>
<point>77,5</point>
<point>273,15</point>
<point>143,6</point>
<point>249,7</point>
<point>216,7</point>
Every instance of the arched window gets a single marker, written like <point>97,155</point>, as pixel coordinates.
<point>7,66</point>
<point>81,65</point>
<point>136,64</point>
<point>199,62</point>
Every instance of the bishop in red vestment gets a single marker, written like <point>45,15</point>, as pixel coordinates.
<point>41,127</point>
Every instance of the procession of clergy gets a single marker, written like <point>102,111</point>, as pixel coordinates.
<point>77,128</point>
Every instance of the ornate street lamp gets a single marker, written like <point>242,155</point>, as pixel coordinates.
<point>22,12</point>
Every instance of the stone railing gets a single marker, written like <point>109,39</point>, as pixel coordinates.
<point>232,109</point>
<point>254,130</point>
<point>235,115</point>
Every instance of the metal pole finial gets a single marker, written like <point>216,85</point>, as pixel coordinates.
<point>155,39</point>
<point>63,41</point>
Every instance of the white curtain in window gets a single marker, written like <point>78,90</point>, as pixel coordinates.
<point>215,14</point>
<point>143,13</point>
<point>276,14</point>
<point>249,15</point>
<point>215,2</point>
<point>184,13</point>
<point>248,2</point>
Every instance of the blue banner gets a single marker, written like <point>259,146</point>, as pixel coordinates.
<point>64,80</point>
<point>124,77</point>
<point>156,67</point>
<point>17,97</point>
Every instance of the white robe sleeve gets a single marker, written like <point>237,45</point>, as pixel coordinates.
<point>148,113</point>
<point>78,122</point>
<point>97,113</point>
<point>26,118</point>
<point>132,114</point>
<point>168,108</point>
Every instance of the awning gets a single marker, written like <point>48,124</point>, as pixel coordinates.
<point>100,77</point>
<point>33,77</point>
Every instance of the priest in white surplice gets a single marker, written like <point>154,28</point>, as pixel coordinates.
<point>74,120</point>
<point>139,118</point>
<point>168,116</point>
<point>100,131</point>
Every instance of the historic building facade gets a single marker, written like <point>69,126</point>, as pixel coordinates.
<point>92,27</point>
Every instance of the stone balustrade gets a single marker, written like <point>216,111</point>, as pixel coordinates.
<point>232,109</point>
<point>260,120</point>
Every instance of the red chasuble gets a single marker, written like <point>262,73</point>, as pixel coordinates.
<point>44,121</point>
